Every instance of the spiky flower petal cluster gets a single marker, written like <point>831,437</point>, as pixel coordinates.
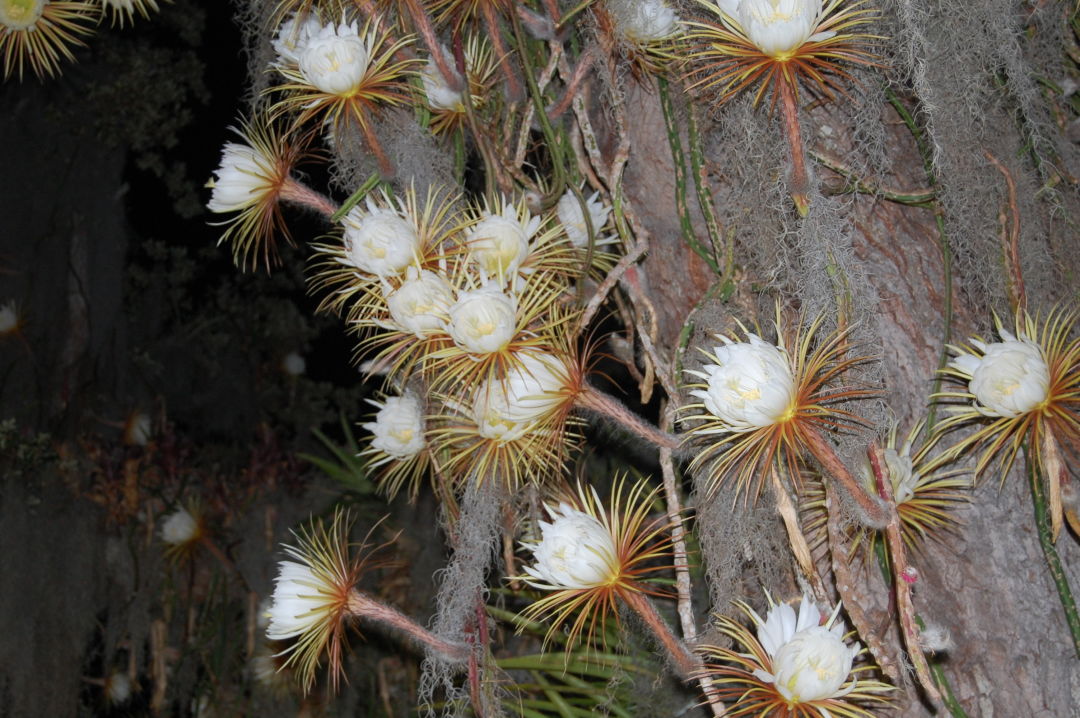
<point>41,33</point>
<point>573,219</point>
<point>1023,388</point>
<point>760,402</point>
<point>125,10</point>
<point>293,36</point>
<point>335,59</point>
<point>589,556</point>
<point>796,666</point>
<point>645,21</point>
<point>398,427</point>
<point>380,241</point>
<point>511,406</point>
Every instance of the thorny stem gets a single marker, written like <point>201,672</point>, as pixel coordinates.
<point>705,199</point>
<point>366,608</point>
<point>686,663</point>
<point>789,108</point>
<point>1053,561</point>
<point>873,512</point>
<point>902,576</point>
<point>1010,240</point>
<point>423,25</point>
<point>594,400</point>
<point>299,193</point>
<point>799,547</point>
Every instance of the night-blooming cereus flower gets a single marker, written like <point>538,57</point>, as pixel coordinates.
<point>421,305</point>
<point>1009,379</point>
<point>575,551</point>
<point>644,21</point>
<point>335,60</point>
<point>748,385</point>
<point>794,666</point>
<point>777,27</point>
<point>572,219</point>
<point>125,9</point>
<point>242,177</point>
<point>38,33</point>
<point>293,36</point>
<point>440,95</point>
<point>181,527</point>
<point>767,407</point>
<point>483,321</point>
<point>590,557</point>
<point>499,243</point>
<point>293,364</point>
<point>535,386</point>
<point>1025,387</point>
<point>379,241</point>
<point>398,426</point>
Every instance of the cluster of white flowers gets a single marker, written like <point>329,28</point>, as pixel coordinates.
<point>810,661</point>
<point>1011,377</point>
<point>575,551</point>
<point>750,385</point>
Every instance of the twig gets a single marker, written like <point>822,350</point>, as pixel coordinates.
<point>873,512</point>
<point>1010,240</point>
<point>789,108</point>
<point>799,547</point>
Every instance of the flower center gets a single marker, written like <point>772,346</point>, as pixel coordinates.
<point>20,14</point>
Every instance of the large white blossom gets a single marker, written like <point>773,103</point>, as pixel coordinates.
<point>483,321</point>
<point>749,386</point>
<point>810,661</point>
<point>508,408</point>
<point>499,243</point>
<point>572,219</point>
<point>398,426</point>
<point>293,36</point>
<point>575,552</point>
<point>421,304</point>
<point>777,27</point>
<point>1011,377</point>
<point>243,176</point>
<point>440,95</point>
<point>180,527</point>
<point>335,59</point>
<point>644,21</point>
<point>302,601</point>
<point>379,241</point>
<point>22,15</point>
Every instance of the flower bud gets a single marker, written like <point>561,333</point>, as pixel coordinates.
<point>439,94</point>
<point>644,21</point>
<point>293,36</point>
<point>576,551</point>
<point>750,386</point>
<point>813,665</point>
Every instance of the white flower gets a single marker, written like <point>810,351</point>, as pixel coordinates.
<point>750,386</point>
<point>292,37</point>
<point>293,364</point>
<point>1011,378</point>
<point>499,243</point>
<point>644,21</point>
<point>21,15</point>
<point>810,661</point>
<point>573,221</point>
<point>421,304</point>
<point>777,27</point>
<point>301,601</point>
<point>902,474</point>
<point>509,408</point>
<point>263,667</point>
<point>9,317</point>
<point>398,426</point>
<point>439,94</point>
<point>483,321</point>
<point>575,552</point>
<point>180,527</point>
<point>138,428</point>
<point>379,242</point>
<point>335,59</point>
<point>117,688</point>
<point>241,178</point>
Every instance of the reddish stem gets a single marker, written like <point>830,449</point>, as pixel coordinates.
<point>789,106</point>
<point>873,512</point>
<point>599,402</point>
<point>423,25</point>
<point>686,663</point>
<point>297,193</point>
<point>364,607</point>
<point>514,91</point>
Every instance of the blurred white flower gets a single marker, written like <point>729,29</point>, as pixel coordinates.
<point>180,527</point>
<point>810,661</point>
<point>293,36</point>
<point>573,220</point>
<point>439,94</point>
<point>293,364</point>
<point>750,386</point>
<point>138,428</point>
<point>1011,378</point>
<point>483,321</point>
<point>398,427</point>
<point>509,408</point>
<point>644,21</point>
<point>118,688</point>
<point>378,242</point>
<point>575,552</point>
<point>335,59</point>
<point>242,178</point>
<point>421,304</point>
<point>499,243</point>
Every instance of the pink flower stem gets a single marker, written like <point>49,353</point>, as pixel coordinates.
<point>368,609</point>
<point>685,662</point>
<point>789,107</point>
<point>423,26</point>
<point>296,192</point>
<point>593,400</point>
<point>873,513</point>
